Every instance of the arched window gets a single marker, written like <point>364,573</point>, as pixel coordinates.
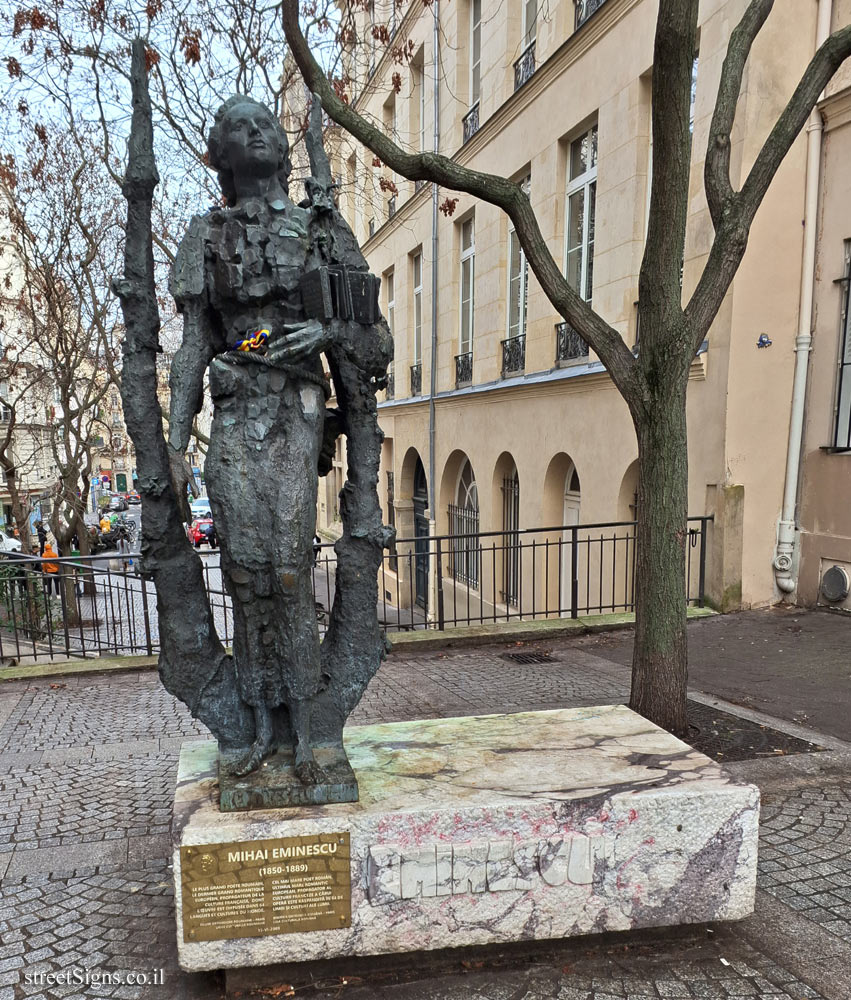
<point>511,538</point>
<point>464,528</point>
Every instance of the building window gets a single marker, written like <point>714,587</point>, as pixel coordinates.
<point>581,198</point>
<point>511,539</point>
<point>417,263</point>
<point>418,102</point>
<point>390,285</point>
<point>530,21</point>
<point>475,50</point>
<point>468,280</point>
<point>464,527</point>
<point>518,277</point>
<point>842,434</point>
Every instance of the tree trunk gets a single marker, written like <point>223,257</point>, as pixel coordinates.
<point>660,654</point>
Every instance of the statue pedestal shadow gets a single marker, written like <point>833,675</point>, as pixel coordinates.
<point>275,785</point>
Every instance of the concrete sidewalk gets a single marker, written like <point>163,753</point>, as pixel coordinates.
<point>87,771</point>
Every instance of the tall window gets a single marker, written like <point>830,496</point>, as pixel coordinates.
<point>468,280</point>
<point>464,522</point>
<point>518,277</point>
<point>511,549</point>
<point>418,307</point>
<point>391,322</point>
<point>581,198</point>
<point>530,19</point>
<point>417,104</point>
<point>475,50</point>
<point>842,434</point>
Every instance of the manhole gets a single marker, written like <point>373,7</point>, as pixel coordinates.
<point>540,656</point>
<point>725,737</point>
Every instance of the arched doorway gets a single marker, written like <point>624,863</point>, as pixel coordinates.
<point>420,498</point>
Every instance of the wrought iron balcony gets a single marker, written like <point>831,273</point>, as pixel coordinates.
<point>391,207</point>
<point>416,380</point>
<point>513,355</point>
<point>471,122</point>
<point>569,344</point>
<point>585,8</point>
<point>419,185</point>
<point>525,66</point>
<point>463,369</point>
<point>390,391</point>
<point>372,227</point>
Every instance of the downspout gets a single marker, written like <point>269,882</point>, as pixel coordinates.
<point>785,569</point>
<point>432,380</point>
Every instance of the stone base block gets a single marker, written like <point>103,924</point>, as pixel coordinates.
<point>491,829</point>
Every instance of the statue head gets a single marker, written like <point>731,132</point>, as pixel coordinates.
<point>247,137</point>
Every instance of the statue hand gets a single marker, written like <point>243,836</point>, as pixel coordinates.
<point>297,341</point>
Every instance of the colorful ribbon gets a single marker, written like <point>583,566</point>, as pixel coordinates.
<point>252,343</point>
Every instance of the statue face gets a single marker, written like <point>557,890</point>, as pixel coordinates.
<point>251,141</point>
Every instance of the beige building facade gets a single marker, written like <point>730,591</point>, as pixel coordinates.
<point>495,405</point>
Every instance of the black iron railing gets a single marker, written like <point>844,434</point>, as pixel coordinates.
<point>419,185</point>
<point>391,207</point>
<point>99,605</point>
<point>416,379</point>
<point>371,227</point>
<point>463,369</point>
<point>390,390</point>
<point>513,355</point>
<point>475,577</point>
<point>585,8</point>
<point>525,66</point>
<point>569,344</point>
<point>471,122</point>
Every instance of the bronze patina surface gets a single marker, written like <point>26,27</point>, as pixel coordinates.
<point>261,887</point>
<point>276,782</point>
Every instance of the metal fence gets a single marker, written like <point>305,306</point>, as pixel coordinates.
<point>565,571</point>
<point>100,605</point>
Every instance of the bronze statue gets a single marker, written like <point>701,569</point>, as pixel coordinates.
<point>265,288</point>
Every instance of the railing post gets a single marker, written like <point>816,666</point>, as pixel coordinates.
<point>439,575</point>
<point>574,571</point>
<point>146,616</point>
<point>701,580</point>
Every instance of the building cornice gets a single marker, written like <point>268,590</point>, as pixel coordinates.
<point>836,109</point>
<point>575,378</point>
<point>401,215</point>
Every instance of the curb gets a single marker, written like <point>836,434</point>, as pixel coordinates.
<point>407,642</point>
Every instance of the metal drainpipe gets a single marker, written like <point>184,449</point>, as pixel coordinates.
<point>432,387</point>
<point>785,568</point>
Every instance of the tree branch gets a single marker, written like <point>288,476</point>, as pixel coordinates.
<point>716,171</point>
<point>496,190</point>
<point>732,237</point>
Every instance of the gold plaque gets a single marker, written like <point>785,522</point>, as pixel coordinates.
<point>258,887</point>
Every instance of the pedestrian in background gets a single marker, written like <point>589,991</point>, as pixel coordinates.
<point>50,569</point>
<point>42,536</point>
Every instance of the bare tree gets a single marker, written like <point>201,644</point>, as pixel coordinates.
<point>64,232</point>
<point>654,383</point>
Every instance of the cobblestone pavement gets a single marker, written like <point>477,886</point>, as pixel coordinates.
<point>805,854</point>
<point>87,769</point>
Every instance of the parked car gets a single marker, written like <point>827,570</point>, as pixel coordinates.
<point>133,499</point>
<point>9,543</point>
<point>117,503</point>
<point>201,507</point>
<point>201,530</point>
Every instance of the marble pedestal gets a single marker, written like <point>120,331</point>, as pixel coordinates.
<point>499,828</point>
